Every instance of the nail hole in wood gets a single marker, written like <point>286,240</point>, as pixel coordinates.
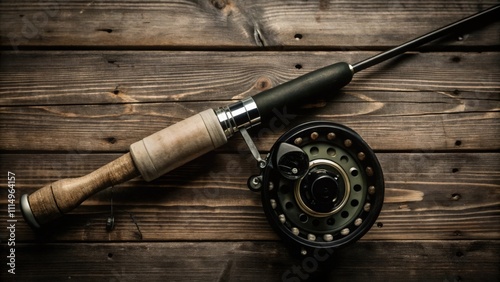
<point>298,66</point>
<point>380,224</point>
<point>111,140</point>
<point>454,170</point>
<point>108,30</point>
<point>298,36</point>
<point>458,143</point>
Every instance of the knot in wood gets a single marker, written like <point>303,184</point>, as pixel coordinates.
<point>263,83</point>
<point>219,4</point>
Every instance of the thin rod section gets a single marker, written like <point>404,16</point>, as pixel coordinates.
<point>433,35</point>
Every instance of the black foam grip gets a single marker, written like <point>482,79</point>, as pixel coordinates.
<point>304,89</point>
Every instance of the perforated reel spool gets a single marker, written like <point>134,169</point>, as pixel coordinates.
<point>335,200</point>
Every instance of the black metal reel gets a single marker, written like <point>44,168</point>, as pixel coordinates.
<point>322,187</point>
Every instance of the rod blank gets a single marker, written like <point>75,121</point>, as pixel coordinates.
<point>480,17</point>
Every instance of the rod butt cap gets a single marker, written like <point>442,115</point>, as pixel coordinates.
<point>27,213</point>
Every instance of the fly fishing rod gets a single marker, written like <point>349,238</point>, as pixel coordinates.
<point>321,184</point>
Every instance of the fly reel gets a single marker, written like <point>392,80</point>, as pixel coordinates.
<point>322,187</point>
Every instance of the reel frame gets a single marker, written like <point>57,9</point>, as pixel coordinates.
<point>335,201</point>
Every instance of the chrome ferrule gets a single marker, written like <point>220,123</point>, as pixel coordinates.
<point>242,114</point>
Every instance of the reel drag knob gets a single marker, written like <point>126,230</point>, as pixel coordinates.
<point>322,191</point>
<point>293,162</point>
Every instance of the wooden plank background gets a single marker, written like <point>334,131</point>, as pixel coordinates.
<point>82,80</point>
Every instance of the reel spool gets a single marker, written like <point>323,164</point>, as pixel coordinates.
<point>322,187</point>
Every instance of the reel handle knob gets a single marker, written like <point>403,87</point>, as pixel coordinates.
<point>292,161</point>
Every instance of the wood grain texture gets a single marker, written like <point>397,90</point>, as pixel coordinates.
<point>82,80</point>
<point>439,122</point>
<point>428,196</point>
<point>269,261</point>
<point>109,100</point>
<point>126,77</point>
<point>230,24</point>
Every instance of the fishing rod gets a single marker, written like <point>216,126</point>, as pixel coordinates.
<point>321,184</point>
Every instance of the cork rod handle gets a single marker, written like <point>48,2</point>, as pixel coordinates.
<point>55,199</point>
<point>150,157</point>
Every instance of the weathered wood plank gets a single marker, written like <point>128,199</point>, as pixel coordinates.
<point>429,196</point>
<point>234,23</point>
<point>103,77</point>
<point>386,120</point>
<point>263,261</point>
<point>420,94</point>
<point>433,118</point>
